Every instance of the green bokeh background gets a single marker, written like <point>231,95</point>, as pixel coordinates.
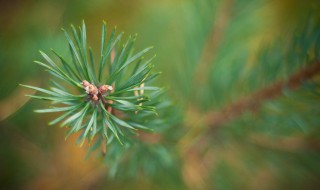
<point>35,156</point>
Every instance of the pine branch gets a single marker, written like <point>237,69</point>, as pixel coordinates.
<point>213,42</point>
<point>286,144</point>
<point>254,101</point>
<point>104,108</point>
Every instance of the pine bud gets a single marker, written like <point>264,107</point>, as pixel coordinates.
<point>103,89</point>
<point>85,83</point>
<point>95,98</point>
<point>91,89</point>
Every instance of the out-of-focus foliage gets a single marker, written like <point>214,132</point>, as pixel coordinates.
<point>211,54</point>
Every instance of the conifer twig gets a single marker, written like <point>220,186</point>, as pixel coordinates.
<point>96,108</point>
<point>254,101</point>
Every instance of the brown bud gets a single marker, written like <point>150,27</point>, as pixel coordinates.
<point>103,89</point>
<point>91,89</point>
<point>95,98</point>
<point>85,83</point>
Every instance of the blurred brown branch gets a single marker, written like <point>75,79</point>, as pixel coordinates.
<point>213,41</point>
<point>286,144</point>
<point>254,101</point>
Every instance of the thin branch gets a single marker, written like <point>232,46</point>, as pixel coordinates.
<point>213,42</point>
<point>254,101</point>
<point>284,144</point>
<point>108,108</point>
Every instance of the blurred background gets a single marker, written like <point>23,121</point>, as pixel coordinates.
<point>221,61</point>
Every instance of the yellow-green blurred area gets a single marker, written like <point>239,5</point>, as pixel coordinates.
<point>206,50</point>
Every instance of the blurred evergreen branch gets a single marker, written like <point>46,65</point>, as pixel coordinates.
<point>274,93</point>
<point>253,101</point>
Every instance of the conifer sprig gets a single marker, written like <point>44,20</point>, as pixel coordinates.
<point>110,92</point>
